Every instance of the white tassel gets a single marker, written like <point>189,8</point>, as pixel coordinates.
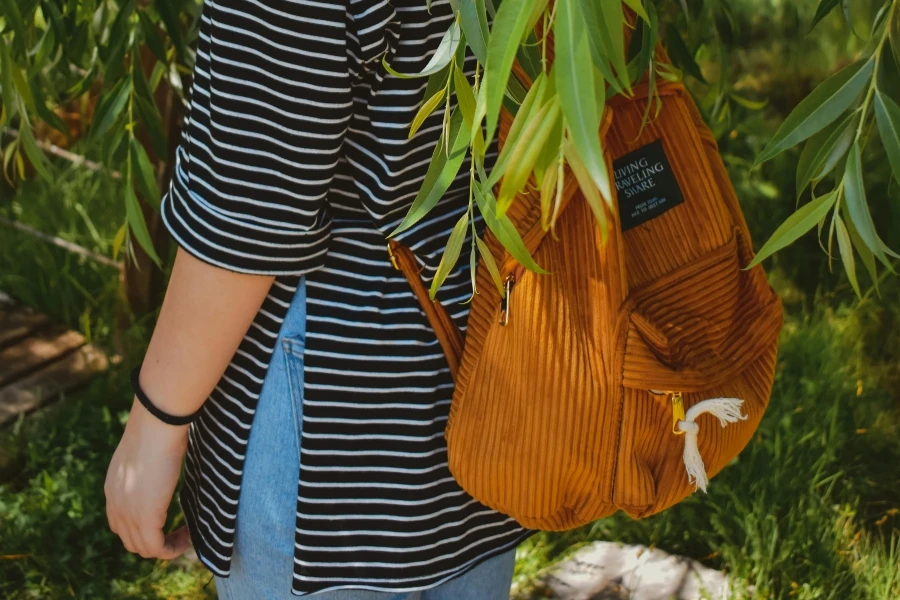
<point>727,410</point>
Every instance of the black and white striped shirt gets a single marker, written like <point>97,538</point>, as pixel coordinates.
<point>295,161</point>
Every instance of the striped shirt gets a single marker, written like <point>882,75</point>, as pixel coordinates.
<point>295,161</point>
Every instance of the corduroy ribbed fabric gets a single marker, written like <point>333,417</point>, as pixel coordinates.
<point>557,419</point>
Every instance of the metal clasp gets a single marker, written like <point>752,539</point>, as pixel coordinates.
<point>504,301</point>
<point>677,411</point>
<point>393,257</point>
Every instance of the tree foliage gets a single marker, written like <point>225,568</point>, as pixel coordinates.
<point>119,52</point>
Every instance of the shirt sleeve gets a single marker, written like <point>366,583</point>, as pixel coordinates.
<point>270,103</point>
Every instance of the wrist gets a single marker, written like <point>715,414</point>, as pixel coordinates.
<point>169,438</point>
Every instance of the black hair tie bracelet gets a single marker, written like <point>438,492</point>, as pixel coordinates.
<point>153,410</point>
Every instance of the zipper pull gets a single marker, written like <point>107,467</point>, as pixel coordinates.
<point>677,411</point>
<point>504,301</point>
<point>392,256</point>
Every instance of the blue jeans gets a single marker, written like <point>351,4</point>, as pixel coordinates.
<point>263,560</point>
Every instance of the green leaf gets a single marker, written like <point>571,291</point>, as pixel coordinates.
<point>22,87</point>
<point>109,108</point>
<point>747,103</point>
<point>681,55</point>
<point>441,172</point>
<point>526,152</point>
<point>139,225</point>
<point>865,254</point>
<point>846,250</point>
<point>825,104</point>
<point>491,265</point>
<point>638,7</point>
<point>529,55</point>
<point>857,205</point>
<point>426,109</point>
<point>474,23</point>
<point>577,93</point>
<point>614,19</point>
<point>533,100</point>
<point>894,37</point>
<point>465,97</point>
<point>503,229</point>
<point>823,151</point>
<point>825,7</point>
<point>144,175</point>
<point>588,190</point>
<point>170,18</point>
<point>13,18</point>
<point>35,155</point>
<point>6,80</point>
<point>796,225</point>
<point>508,29</point>
<point>151,37</point>
<point>441,57</point>
<point>118,240</point>
<point>887,114</point>
<point>451,254</point>
<point>590,14</point>
<point>149,114</point>
<point>48,116</point>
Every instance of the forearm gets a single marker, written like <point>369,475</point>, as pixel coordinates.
<point>203,319</point>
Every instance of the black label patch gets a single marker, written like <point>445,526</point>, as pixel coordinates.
<point>645,185</point>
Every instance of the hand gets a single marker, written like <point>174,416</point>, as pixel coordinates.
<point>140,482</point>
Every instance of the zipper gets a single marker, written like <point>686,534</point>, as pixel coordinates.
<point>515,273</point>
<point>677,400</point>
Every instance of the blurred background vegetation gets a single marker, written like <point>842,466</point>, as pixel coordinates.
<point>810,510</point>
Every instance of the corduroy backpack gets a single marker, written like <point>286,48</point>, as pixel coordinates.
<point>638,367</point>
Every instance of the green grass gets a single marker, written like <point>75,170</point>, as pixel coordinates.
<point>54,539</point>
<point>811,508</point>
<point>81,207</point>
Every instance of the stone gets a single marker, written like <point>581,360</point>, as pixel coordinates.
<point>610,571</point>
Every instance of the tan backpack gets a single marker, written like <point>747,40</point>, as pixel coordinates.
<point>638,367</point>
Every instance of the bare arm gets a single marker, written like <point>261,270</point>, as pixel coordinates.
<point>204,316</point>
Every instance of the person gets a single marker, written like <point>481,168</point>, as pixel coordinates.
<point>317,394</point>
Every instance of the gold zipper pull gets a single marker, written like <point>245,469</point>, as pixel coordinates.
<point>393,257</point>
<point>677,411</point>
<point>504,301</point>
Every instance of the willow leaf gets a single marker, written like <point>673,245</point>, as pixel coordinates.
<point>823,150</point>
<point>451,254</point>
<point>887,113</point>
<point>442,170</point>
<point>7,87</point>
<point>588,190</point>
<point>491,265</point>
<point>35,155</point>
<point>846,250</point>
<point>144,176</point>
<point>857,204</point>
<point>504,230</point>
<point>868,259</point>
<point>426,109</point>
<point>13,19</point>
<point>638,7</point>
<point>796,225</point>
<point>577,93</point>
<point>613,18</point>
<point>828,101</point>
<point>526,152</point>
<point>440,59</point>
<point>465,97</point>
<point>110,108</point>
<point>170,18</point>
<point>531,104</point>
<point>474,23</point>
<point>509,27</point>
<point>139,225</point>
<point>824,8</point>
